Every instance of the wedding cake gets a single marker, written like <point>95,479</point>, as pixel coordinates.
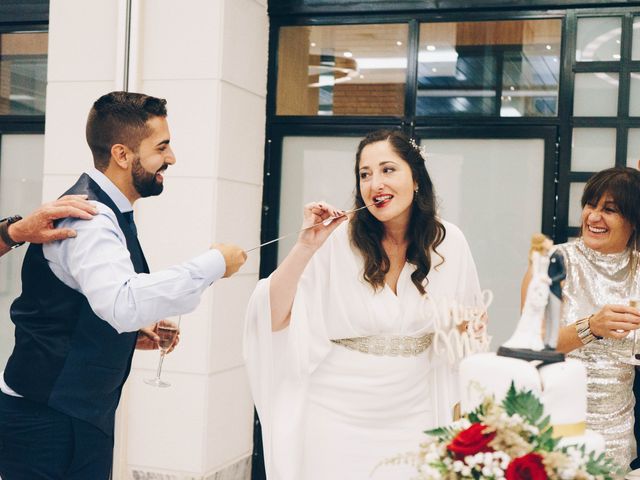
<point>561,387</point>
<point>531,362</point>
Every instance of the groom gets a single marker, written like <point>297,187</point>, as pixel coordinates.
<point>84,300</point>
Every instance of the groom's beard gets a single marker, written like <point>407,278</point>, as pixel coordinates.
<point>146,183</point>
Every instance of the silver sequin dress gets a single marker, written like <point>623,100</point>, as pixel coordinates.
<point>593,281</point>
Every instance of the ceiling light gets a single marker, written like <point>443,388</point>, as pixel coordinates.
<point>348,54</point>
<point>512,88</point>
<point>548,47</point>
<point>618,42</point>
<point>434,69</point>
<point>361,76</point>
<point>313,44</point>
<point>399,43</point>
<point>431,48</point>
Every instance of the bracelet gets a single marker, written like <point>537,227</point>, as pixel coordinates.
<point>583,329</point>
<point>4,231</point>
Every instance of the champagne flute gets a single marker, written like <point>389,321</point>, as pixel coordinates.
<point>167,331</point>
<point>634,358</point>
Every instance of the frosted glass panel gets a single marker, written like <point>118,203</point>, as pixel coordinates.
<point>593,149</point>
<point>634,95</point>
<point>21,160</point>
<point>635,49</point>
<point>598,39</point>
<point>575,209</point>
<point>314,169</point>
<point>476,191</point>
<point>633,148</point>
<point>596,95</point>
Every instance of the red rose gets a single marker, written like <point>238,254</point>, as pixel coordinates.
<point>471,441</point>
<point>527,467</point>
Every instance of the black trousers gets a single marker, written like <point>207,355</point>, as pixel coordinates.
<point>636,425</point>
<point>39,443</point>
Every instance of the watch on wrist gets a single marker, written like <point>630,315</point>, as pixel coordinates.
<point>4,231</point>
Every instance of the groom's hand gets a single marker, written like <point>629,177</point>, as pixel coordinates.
<point>148,338</point>
<point>234,257</point>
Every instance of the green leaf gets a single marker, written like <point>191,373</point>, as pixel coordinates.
<point>525,404</point>
<point>443,433</point>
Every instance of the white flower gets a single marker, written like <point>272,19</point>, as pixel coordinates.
<point>457,466</point>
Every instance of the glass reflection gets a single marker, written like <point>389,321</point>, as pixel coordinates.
<point>635,48</point>
<point>598,39</point>
<point>596,94</point>
<point>593,149</point>
<point>505,68</point>
<point>23,73</point>
<point>342,70</point>
<point>633,148</point>
<point>634,95</point>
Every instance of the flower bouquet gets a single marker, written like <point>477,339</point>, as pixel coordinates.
<point>512,440</point>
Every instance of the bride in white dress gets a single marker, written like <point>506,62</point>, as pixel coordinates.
<point>338,338</point>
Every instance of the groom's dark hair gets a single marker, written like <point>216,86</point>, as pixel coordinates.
<point>120,117</point>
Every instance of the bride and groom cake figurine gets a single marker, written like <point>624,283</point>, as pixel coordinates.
<point>532,363</point>
<point>542,308</point>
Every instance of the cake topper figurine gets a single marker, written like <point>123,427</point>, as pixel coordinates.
<point>542,307</point>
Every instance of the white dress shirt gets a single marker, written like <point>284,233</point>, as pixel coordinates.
<point>97,264</point>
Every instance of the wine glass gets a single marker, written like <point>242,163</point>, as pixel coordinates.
<point>167,331</point>
<point>634,358</point>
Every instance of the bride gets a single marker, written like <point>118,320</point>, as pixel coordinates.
<point>338,338</point>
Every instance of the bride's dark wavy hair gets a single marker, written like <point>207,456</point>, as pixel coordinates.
<point>425,232</point>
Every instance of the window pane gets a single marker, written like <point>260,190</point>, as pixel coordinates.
<point>633,148</point>
<point>342,70</point>
<point>598,39</point>
<point>466,169</point>
<point>461,67</point>
<point>575,209</point>
<point>596,95</point>
<point>313,169</point>
<point>635,49</point>
<point>593,149</point>
<point>23,73</point>
<point>634,95</point>
<point>21,168</point>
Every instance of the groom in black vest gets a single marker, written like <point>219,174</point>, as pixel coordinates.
<point>85,299</point>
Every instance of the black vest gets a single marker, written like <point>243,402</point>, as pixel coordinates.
<point>65,356</point>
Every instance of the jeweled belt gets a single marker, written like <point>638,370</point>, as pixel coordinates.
<point>387,345</point>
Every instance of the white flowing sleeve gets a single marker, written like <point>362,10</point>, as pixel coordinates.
<point>279,364</point>
<point>463,287</point>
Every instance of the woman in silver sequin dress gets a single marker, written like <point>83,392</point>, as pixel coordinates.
<point>602,276</point>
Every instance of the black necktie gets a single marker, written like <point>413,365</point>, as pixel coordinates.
<point>132,224</point>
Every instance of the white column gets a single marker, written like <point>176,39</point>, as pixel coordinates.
<point>208,58</point>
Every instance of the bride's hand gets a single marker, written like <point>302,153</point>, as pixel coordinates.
<point>318,212</point>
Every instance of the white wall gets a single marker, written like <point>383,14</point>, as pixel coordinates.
<point>208,58</point>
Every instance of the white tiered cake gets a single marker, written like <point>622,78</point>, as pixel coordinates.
<point>561,387</point>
